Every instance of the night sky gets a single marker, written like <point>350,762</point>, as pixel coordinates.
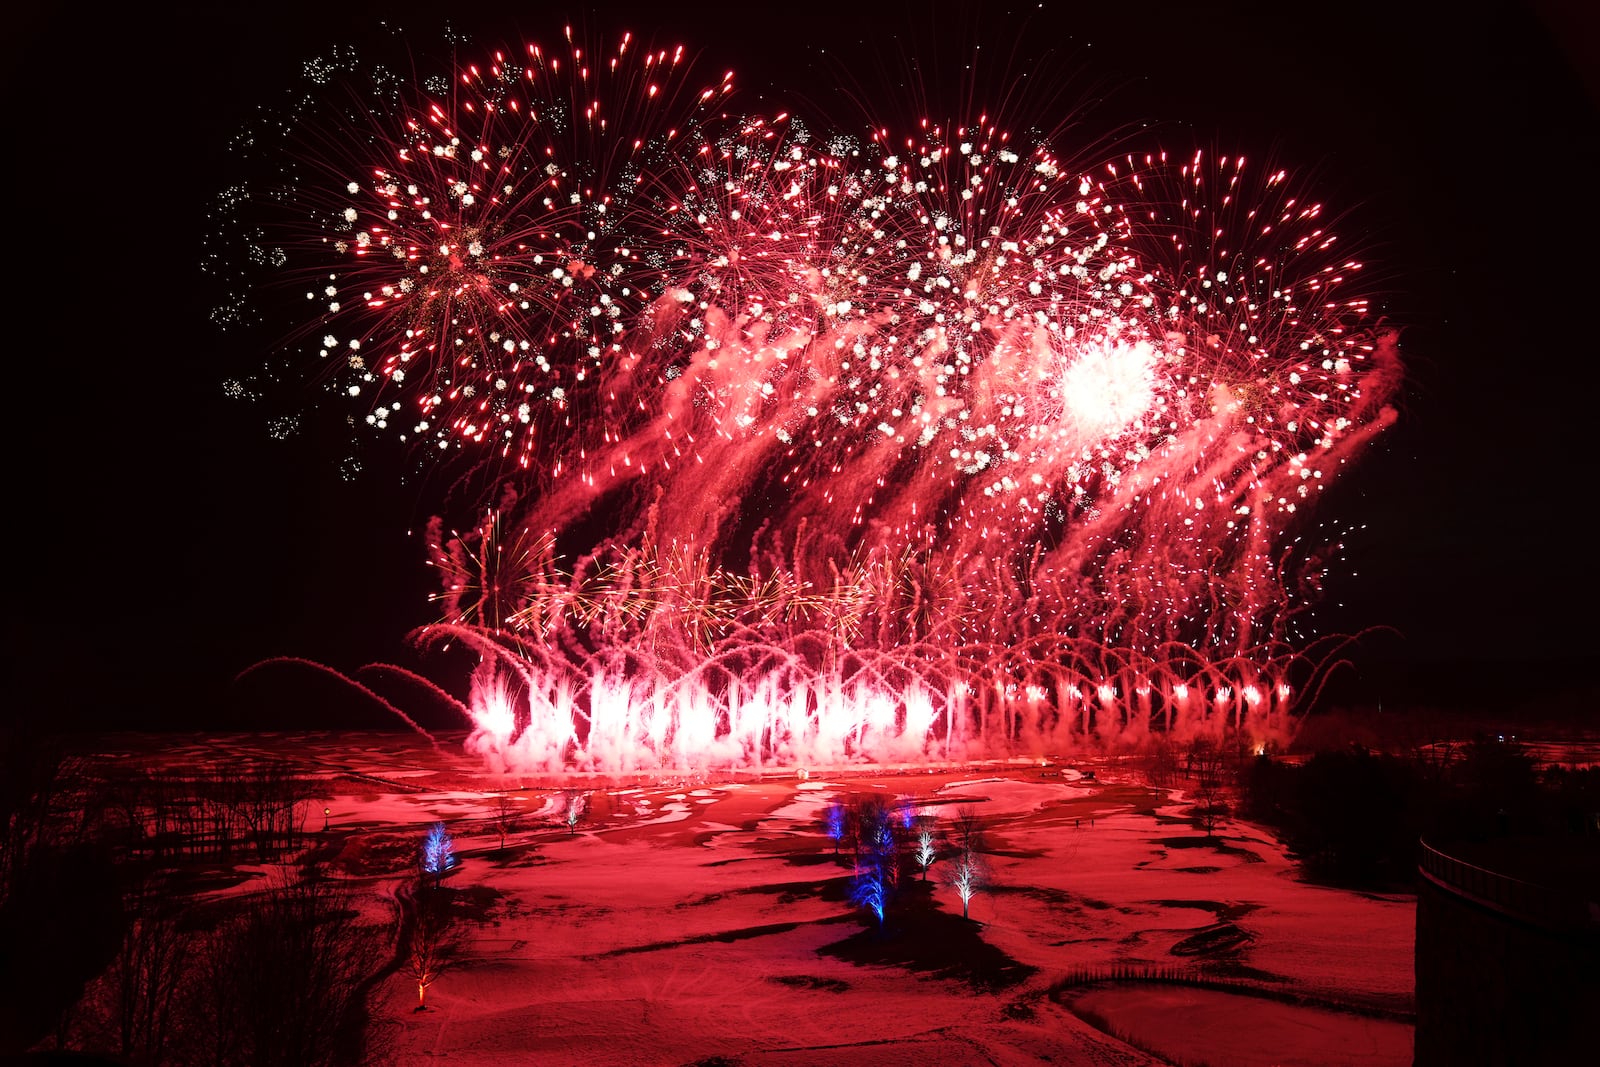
<point>164,540</point>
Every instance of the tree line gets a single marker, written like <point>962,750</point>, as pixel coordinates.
<point>1355,815</point>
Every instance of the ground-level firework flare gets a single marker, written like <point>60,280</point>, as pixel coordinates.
<point>802,449</point>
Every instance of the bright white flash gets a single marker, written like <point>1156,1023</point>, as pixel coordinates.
<point>1109,386</point>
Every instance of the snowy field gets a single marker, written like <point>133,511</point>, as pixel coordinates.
<point>705,921</point>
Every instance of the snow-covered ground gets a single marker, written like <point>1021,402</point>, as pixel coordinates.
<point>700,921</point>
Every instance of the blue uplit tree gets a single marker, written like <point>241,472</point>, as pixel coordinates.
<point>438,853</point>
<point>833,822</point>
<point>868,891</point>
<point>866,817</point>
<point>877,862</point>
<point>905,811</point>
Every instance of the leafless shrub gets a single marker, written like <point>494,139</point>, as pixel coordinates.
<point>286,982</point>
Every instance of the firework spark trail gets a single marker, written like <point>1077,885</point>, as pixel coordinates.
<point>900,447</point>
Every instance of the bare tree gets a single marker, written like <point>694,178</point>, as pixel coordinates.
<point>1163,765</point>
<point>146,976</point>
<point>262,802</point>
<point>967,830</point>
<point>927,846</point>
<point>35,777</point>
<point>1209,766</point>
<point>967,874</point>
<point>429,938</point>
<point>221,799</point>
<point>285,982</point>
<point>505,818</point>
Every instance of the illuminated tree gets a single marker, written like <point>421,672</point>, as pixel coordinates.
<point>833,823</point>
<point>438,853</point>
<point>866,818</point>
<point>967,875</point>
<point>927,851</point>
<point>877,866</point>
<point>428,937</point>
<point>868,890</point>
<point>905,811</point>
<point>573,805</point>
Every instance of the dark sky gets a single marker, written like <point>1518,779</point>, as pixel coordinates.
<point>165,541</point>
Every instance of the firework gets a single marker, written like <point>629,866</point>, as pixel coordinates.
<point>826,448</point>
<point>482,239</point>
